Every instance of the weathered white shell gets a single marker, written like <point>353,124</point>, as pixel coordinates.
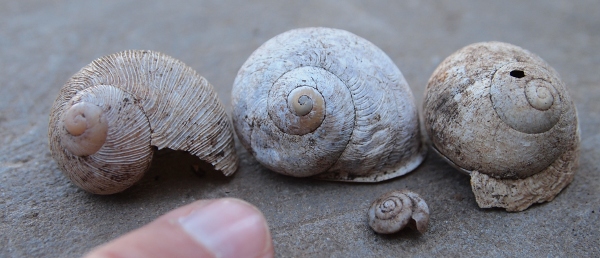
<point>397,209</point>
<point>324,102</point>
<point>502,114</point>
<point>112,114</point>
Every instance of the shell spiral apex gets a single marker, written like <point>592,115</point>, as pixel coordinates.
<point>86,127</point>
<point>502,114</point>
<point>110,114</point>
<point>326,103</point>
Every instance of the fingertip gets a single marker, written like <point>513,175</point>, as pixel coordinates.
<point>225,227</point>
<point>229,228</point>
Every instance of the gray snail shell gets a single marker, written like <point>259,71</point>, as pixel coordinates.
<point>501,114</point>
<point>395,210</point>
<point>111,115</point>
<point>326,103</point>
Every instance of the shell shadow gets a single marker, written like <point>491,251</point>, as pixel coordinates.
<point>172,175</point>
<point>404,234</point>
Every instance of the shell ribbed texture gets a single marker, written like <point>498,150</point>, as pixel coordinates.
<point>395,210</point>
<point>179,107</point>
<point>370,131</point>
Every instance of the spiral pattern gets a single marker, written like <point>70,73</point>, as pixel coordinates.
<point>528,103</point>
<point>147,99</point>
<point>498,109</point>
<point>502,114</point>
<point>327,103</point>
<point>126,153</point>
<point>314,85</point>
<point>396,209</point>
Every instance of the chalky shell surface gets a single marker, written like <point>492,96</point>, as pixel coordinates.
<point>366,128</point>
<point>150,101</point>
<point>395,210</point>
<point>483,115</point>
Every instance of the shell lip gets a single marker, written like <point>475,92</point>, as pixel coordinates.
<point>404,168</point>
<point>449,161</point>
<point>469,172</point>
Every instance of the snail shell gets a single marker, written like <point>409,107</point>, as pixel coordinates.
<point>396,209</point>
<point>110,115</point>
<point>502,115</point>
<point>326,103</point>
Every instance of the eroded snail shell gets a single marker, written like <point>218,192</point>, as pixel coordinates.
<point>397,209</point>
<point>502,114</point>
<point>110,114</point>
<point>326,103</point>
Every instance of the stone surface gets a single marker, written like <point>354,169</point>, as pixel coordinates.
<point>42,43</point>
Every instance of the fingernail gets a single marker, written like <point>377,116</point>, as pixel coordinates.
<point>228,228</point>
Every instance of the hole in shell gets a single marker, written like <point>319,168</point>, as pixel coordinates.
<point>517,73</point>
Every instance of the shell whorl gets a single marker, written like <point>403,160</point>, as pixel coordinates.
<point>525,98</point>
<point>499,109</point>
<point>325,102</point>
<point>296,104</point>
<point>502,114</point>
<point>394,210</point>
<point>146,99</point>
<point>121,160</point>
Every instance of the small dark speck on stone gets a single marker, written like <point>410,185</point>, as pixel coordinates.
<point>458,197</point>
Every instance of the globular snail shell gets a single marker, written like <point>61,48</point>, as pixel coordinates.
<point>326,103</point>
<point>395,210</point>
<point>502,114</point>
<point>112,114</point>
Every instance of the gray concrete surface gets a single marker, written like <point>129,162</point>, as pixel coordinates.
<point>42,43</point>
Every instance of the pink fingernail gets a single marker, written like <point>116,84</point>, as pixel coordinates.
<point>228,228</point>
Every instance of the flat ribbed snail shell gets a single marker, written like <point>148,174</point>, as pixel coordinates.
<point>110,114</point>
<point>397,209</point>
<point>502,115</point>
<point>326,103</point>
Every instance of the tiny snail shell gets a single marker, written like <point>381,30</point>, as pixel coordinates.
<point>326,103</point>
<point>394,210</point>
<point>112,114</point>
<point>501,114</point>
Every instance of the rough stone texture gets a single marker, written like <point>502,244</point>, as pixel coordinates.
<point>43,43</point>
